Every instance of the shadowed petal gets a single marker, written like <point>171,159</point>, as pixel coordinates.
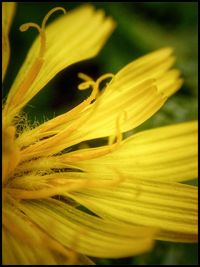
<point>8,11</point>
<point>171,207</point>
<point>88,234</point>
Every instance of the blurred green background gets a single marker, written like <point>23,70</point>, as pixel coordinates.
<point>141,28</point>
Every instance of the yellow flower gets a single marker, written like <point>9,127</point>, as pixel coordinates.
<point>130,187</point>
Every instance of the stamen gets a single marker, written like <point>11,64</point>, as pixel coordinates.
<point>104,77</point>
<point>41,29</point>
<point>45,21</point>
<point>37,64</point>
<point>119,134</point>
<point>87,154</point>
<point>44,146</point>
<point>89,82</point>
<point>84,77</point>
<point>62,119</point>
<point>86,85</point>
<point>26,26</point>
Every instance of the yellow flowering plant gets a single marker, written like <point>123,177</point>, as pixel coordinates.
<point>63,203</point>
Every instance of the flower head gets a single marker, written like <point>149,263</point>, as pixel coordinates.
<point>130,186</point>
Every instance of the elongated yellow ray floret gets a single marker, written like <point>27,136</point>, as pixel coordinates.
<point>171,207</point>
<point>140,96</point>
<point>88,234</point>
<point>167,153</point>
<point>25,243</point>
<point>62,48</point>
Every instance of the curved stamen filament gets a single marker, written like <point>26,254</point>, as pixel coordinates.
<point>104,77</point>
<point>86,85</point>
<point>41,30</point>
<point>41,131</point>
<point>53,10</point>
<point>45,21</point>
<point>60,120</point>
<point>89,82</point>
<point>84,77</point>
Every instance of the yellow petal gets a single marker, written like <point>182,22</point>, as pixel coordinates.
<point>136,91</point>
<point>124,93</point>
<point>73,37</point>
<point>88,234</point>
<point>170,82</point>
<point>135,105</point>
<point>167,153</point>
<point>98,121</point>
<point>25,243</point>
<point>16,252</point>
<point>8,11</point>
<point>154,65</point>
<point>171,207</point>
